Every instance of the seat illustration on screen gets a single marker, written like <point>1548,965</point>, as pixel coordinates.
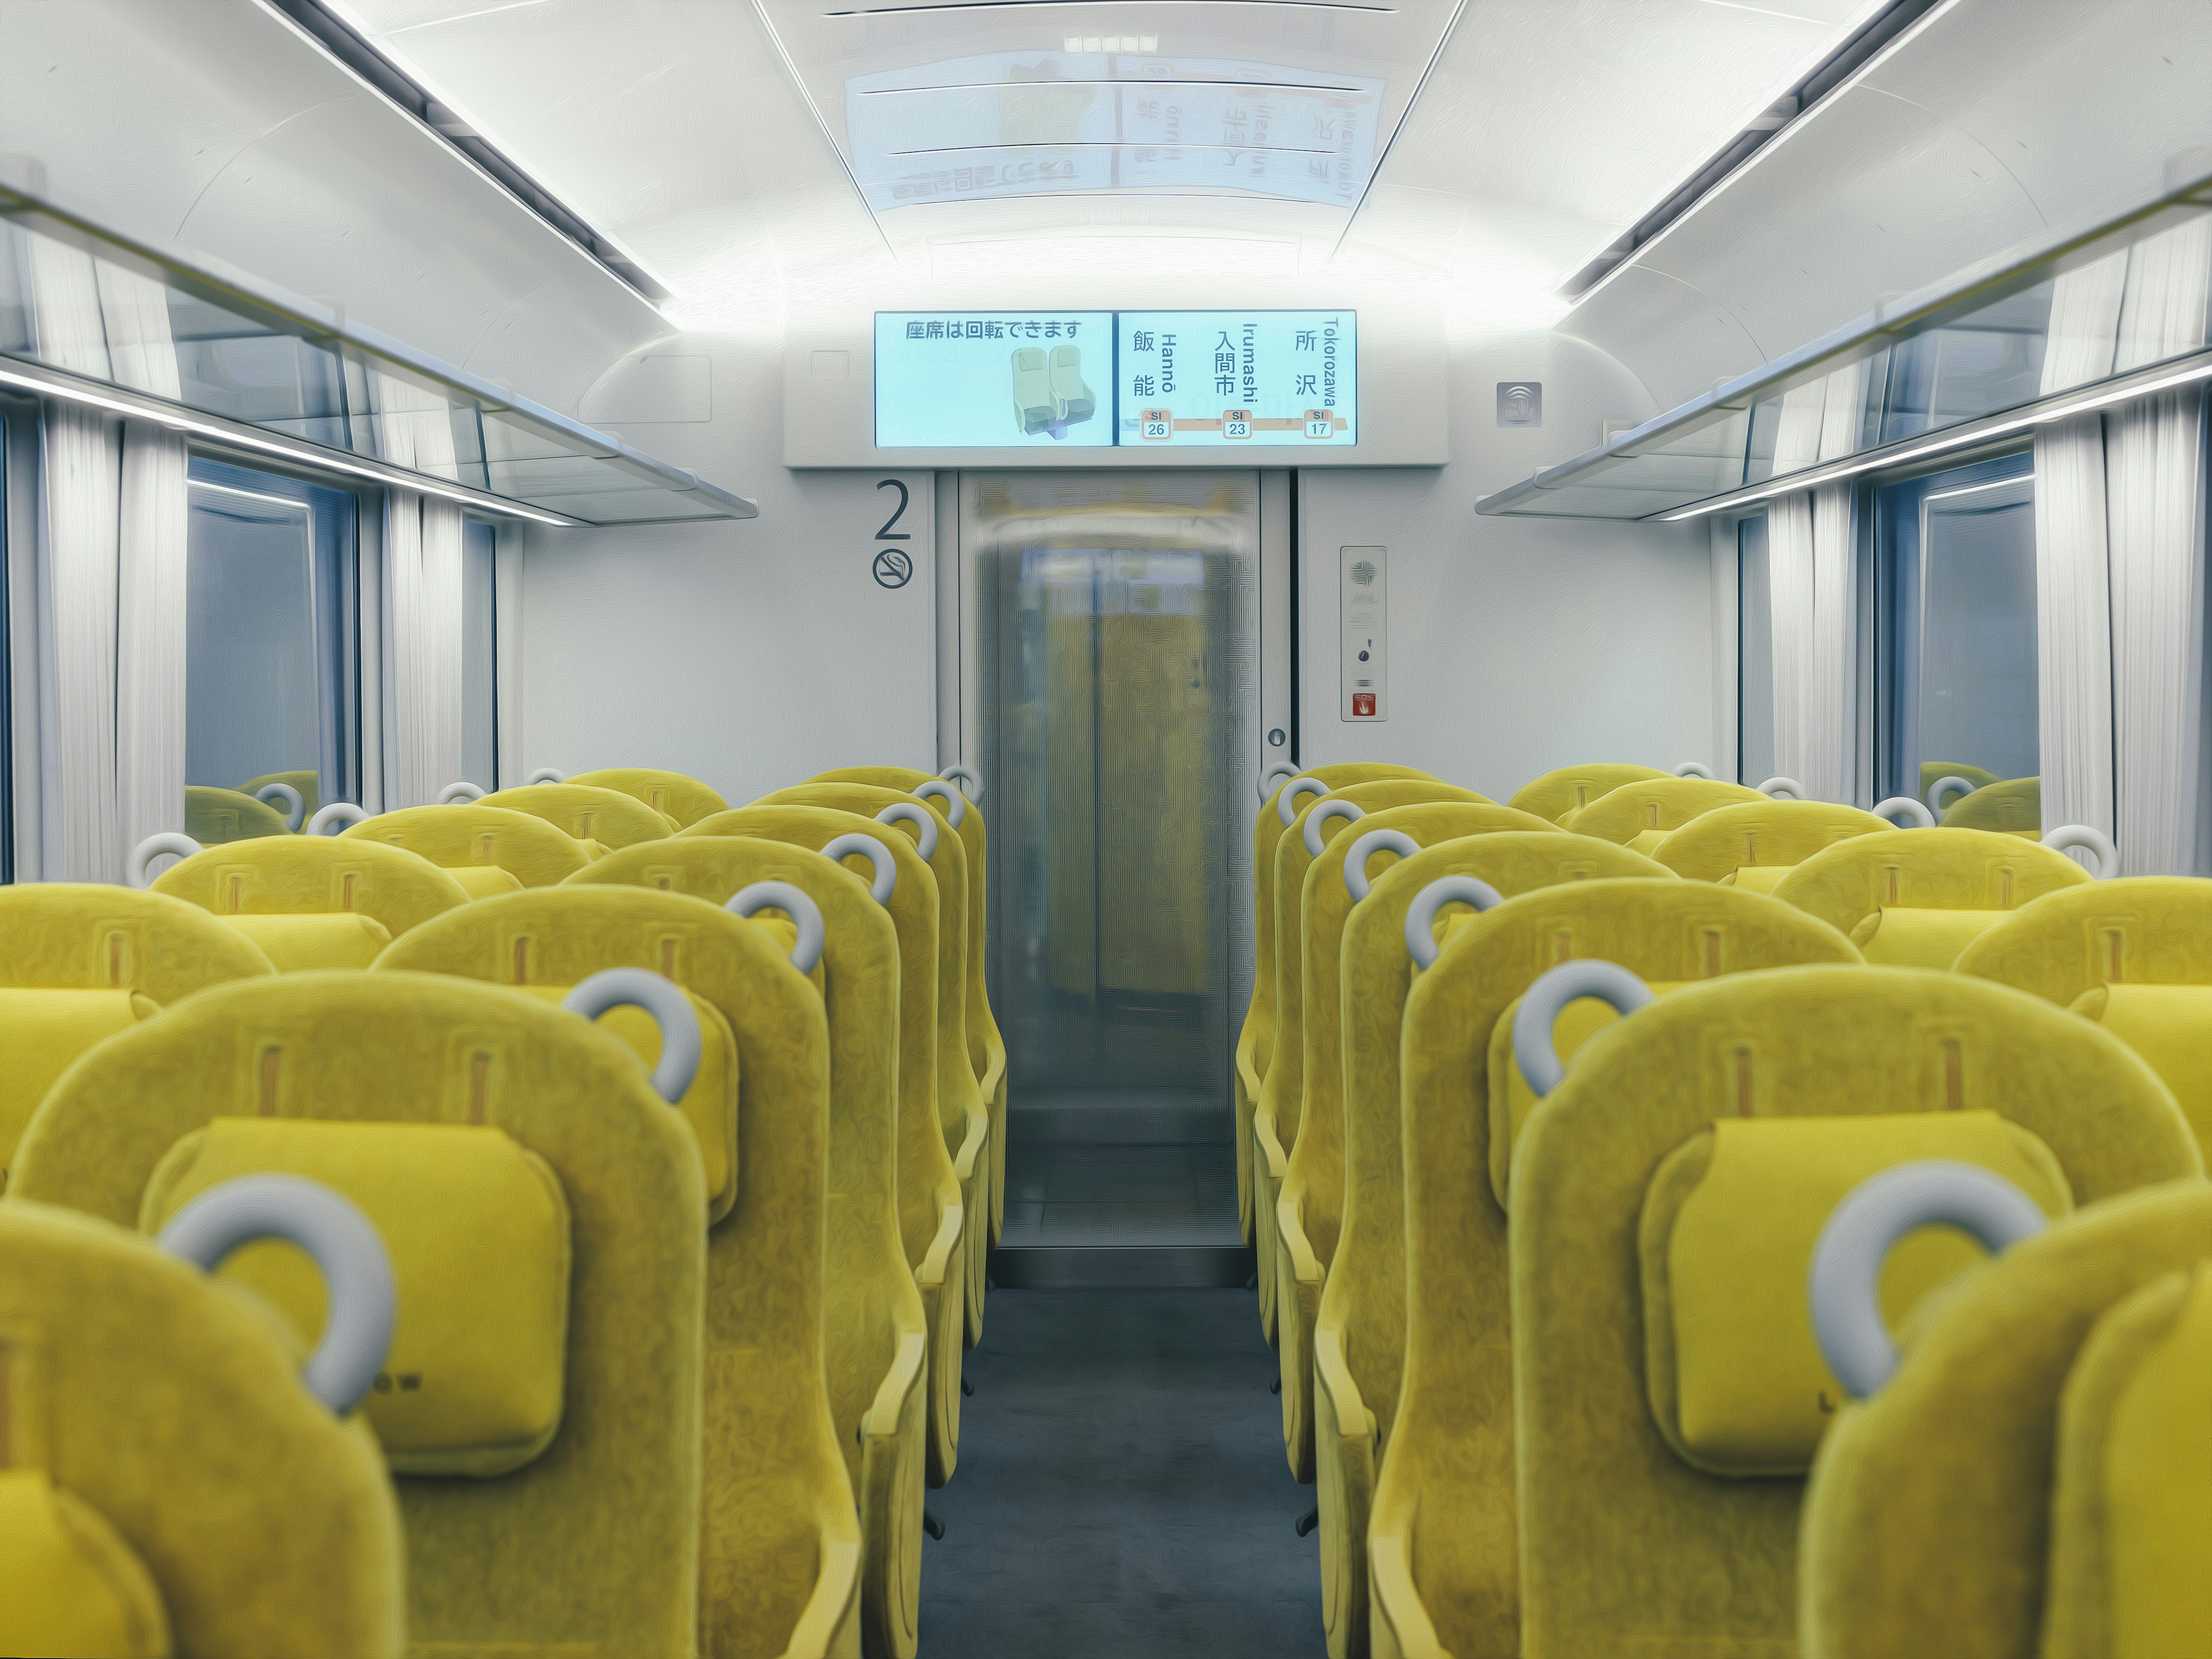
<point>1050,394</point>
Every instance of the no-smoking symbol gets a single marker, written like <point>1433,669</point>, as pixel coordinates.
<point>893,568</point>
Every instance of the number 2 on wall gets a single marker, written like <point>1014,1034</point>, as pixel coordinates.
<point>888,534</point>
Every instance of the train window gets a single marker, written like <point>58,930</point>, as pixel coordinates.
<point>479,657</point>
<point>1956,557</point>
<point>1754,654</point>
<point>272,719</point>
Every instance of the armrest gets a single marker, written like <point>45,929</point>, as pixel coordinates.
<point>1263,1137</point>
<point>972,1147</point>
<point>930,1275</point>
<point>1289,1228</point>
<point>1333,1377</point>
<point>1396,1600</point>
<point>836,1588</point>
<point>881,1419</point>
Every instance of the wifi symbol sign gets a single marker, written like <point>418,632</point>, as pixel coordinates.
<point>1520,403</point>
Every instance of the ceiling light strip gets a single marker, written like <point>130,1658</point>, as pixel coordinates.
<point>1111,143</point>
<point>807,97</point>
<point>1458,10</point>
<point>1017,5</point>
<point>1145,82</point>
<point>56,383</point>
<point>2062,406</point>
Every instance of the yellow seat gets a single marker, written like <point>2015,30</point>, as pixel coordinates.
<point>81,962</point>
<point>308,785</point>
<point>1560,794</point>
<point>1358,1336</point>
<point>1668,1390</point>
<point>490,850</point>
<point>2134,954</point>
<point>877,1334</point>
<point>1282,1075</point>
<point>1647,808</point>
<point>170,1486</point>
<point>215,817</point>
<point>1256,1037</point>
<point>592,1544</point>
<point>683,800</point>
<point>1309,1207</point>
<point>780,1545</point>
<point>1885,889</point>
<point>1934,772</point>
<point>932,1222</point>
<point>1441,1541</point>
<point>603,819</point>
<point>987,1049</point>
<point>314,901</point>
<point>2012,806</point>
<point>961,1105</point>
<point>2035,1479</point>
<point>1730,843</point>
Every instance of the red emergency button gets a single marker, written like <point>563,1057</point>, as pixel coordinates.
<point>1362,705</point>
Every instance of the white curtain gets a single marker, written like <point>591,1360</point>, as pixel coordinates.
<point>423,567</point>
<point>2073,610</point>
<point>1810,562</point>
<point>2154,477</point>
<point>112,572</point>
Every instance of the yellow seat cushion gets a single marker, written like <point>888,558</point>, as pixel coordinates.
<point>477,1229</point>
<point>606,816</point>
<point>467,836</point>
<point>1759,834</point>
<point>215,817</point>
<point>1646,841</point>
<point>70,1587</point>
<point>300,945</point>
<point>682,799</point>
<point>1643,804</point>
<point>1511,1099</point>
<point>1565,791</point>
<point>2170,1027</point>
<point>1920,938</point>
<point>41,1032</point>
<point>2012,806</point>
<point>315,875</point>
<point>709,1105</point>
<point>484,880</point>
<point>1942,869</point>
<point>1757,877</point>
<point>1736,1377</point>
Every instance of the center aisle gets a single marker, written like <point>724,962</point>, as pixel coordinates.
<point>1122,1489</point>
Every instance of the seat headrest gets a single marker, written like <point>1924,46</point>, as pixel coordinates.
<point>1568,789</point>
<point>606,815</point>
<point>1753,834</point>
<point>683,800</point>
<point>1940,869</point>
<point>1642,805</point>
<point>314,875</point>
<point>470,836</point>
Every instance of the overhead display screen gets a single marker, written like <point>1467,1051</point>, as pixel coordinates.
<point>1130,379</point>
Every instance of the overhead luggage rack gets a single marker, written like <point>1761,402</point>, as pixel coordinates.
<point>97,318</point>
<point>1954,368</point>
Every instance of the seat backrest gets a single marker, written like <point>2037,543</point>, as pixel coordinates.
<point>683,800</point>
<point>468,834</point>
<point>1365,1295</point>
<point>215,817</point>
<point>1283,1076</point>
<point>80,962</point>
<point>194,1498</point>
<point>1880,888</point>
<point>1977,1486</point>
<point>958,1097</point>
<point>1934,772</point>
<point>987,1049</point>
<point>307,783</point>
<point>599,1532</point>
<point>608,816</point>
<point>1567,789</point>
<point>1650,806</point>
<point>770,1442</point>
<point>314,901</point>
<point>1759,833</point>
<point>2012,806</point>
<point>1666,1203</point>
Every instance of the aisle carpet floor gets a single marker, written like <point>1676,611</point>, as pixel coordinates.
<point>1122,1490</point>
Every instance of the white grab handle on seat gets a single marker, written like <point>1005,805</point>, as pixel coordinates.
<point>1946,785</point>
<point>1286,803</point>
<point>957,773</point>
<point>1333,808</point>
<point>143,855</point>
<point>1533,1049</point>
<point>1368,845</point>
<point>342,813</point>
<point>956,803</point>
<point>806,948</point>
<point>1906,806</point>
<point>923,820</point>
<point>295,803</point>
<point>1780,785</point>
<point>680,1040</point>
<point>2069,835</point>
<point>1693,770</point>
<point>460,795</point>
<point>886,880</point>
<point>547,775</point>
<point>1421,914</point>
<point>347,1249</point>
<point>1860,1233</point>
<point>1275,769</point>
